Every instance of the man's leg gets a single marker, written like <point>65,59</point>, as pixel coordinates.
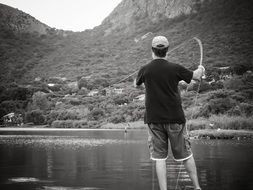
<point>161,174</point>
<point>192,171</point>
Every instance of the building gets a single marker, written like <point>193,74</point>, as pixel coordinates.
<point>139,98</point>
<point>93,93</point>
<point>13,119</point>
<point>114,91</point>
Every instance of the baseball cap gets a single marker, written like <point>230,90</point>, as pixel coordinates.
<point>160,42</point>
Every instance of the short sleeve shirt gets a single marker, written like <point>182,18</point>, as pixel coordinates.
<point>163,101</point>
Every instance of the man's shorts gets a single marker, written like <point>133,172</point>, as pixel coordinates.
<point>159,137</point>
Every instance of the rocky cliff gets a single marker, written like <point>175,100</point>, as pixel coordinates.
<point>128,14</point>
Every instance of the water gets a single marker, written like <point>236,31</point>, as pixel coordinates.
<point>114,160</point>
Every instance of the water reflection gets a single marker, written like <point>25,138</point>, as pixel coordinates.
<point>114,160</point>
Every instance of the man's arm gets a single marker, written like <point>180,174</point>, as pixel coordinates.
<point>198,73</point>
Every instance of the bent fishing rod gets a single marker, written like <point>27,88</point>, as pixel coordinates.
<point>173,49</point>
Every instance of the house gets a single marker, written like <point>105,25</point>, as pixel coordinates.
<point>51,84</point>
<point>38,79</point>
<point>118,90</point>
<point>93,93</point>
<point>224,72</point>
<point>211,82</point>
<point>13,119</point>
<point>110,91</point>
<point>139,98</point>
<point>57,80</point>
<point>146,35</point>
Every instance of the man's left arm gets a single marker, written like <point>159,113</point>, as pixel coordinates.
<point>138,82</point>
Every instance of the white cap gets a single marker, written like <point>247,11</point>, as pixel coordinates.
<point>160,42</point>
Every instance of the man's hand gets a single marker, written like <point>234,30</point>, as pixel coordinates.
<point>202,68</point>
<point>198,73</point>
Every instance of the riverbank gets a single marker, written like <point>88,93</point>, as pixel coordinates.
<point>139,125</point>
<point>221,134</point>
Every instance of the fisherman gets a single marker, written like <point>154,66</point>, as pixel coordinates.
<point>164,114</point>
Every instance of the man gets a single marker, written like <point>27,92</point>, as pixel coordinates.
<point>164,114</point>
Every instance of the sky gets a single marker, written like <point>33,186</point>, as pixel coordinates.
<point>75,15</point>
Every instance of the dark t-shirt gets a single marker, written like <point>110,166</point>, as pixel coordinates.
<point>163,101</point>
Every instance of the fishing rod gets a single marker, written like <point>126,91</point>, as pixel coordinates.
<point>171,50</point>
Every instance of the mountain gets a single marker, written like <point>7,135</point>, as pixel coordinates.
<point>116,49</point>
<point>18,21</point>
<point>121,44</point>
<point>24,41</point>
<point>130,13</point>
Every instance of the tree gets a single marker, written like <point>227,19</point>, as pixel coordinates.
<point>35,116</point>
<point>40,101</point>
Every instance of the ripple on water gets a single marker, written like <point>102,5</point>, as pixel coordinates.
<point>69,188</point>
<point>72,142</point>
<point>23,180</point>
<point>36,180</point>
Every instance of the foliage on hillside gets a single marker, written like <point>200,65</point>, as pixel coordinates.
<point>19,53</point>
<point>97,61</point>
<point>19,22</point>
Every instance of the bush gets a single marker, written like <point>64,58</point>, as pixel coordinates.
<point>56,87</point>
<point>12,106</point>
<point>63,124</point>
<point>75,101</point>
<point>246,109</point>
<point>82,83</point>
<point>35,116</point>
<point>83,91</point>
<point>120,99</point>
<point>93,124</point>
<point>204,86</point>
<point>67,115</point>
<point>217,85</point>
<point>197,124</point>
<point>40,101</point>
<point>217,106</point>
<point>96,114</point>
<point>80,124</point>
<point>14,93</point>
<point>138,114</point>
<point>232,122</point>
<point>116,119</point>
<point>52,116</point>
<point>233,83</point>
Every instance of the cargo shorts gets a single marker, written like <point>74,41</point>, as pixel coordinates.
<point>161,135</point>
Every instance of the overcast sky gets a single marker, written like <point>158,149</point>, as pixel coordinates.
<point>76,15</point>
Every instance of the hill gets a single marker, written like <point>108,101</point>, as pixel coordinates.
<point>119,46</point>
<point>24,41</point>
<point>18,21</point>
<point>94,59</point>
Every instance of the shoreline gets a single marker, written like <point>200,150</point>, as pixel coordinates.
<point>221,134</point>
<point>139,125</point>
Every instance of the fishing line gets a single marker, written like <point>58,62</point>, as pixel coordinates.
<point>195,103</point>
<point>171,50</point>
<point>195,100</point>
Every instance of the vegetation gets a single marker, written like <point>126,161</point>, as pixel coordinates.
<point>94,61</point>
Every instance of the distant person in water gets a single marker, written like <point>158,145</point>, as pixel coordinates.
<point>164,114</point>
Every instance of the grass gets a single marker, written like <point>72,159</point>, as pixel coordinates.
<point>222,134</point>
<point>221,127</point>
<point>221,122</point>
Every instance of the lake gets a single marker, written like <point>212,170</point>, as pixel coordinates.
<point>114,160</point>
